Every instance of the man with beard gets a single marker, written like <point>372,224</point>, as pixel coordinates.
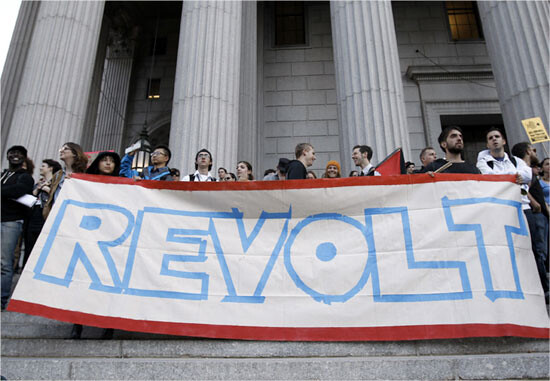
<point>361,157</point>
<point>451,142</point>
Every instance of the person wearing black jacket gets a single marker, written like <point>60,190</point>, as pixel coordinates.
<point>451,142</point>
<point>305,156</point>
<point>35,220</point>
<point>16,182</point>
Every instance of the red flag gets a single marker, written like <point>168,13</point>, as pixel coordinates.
<point>394,164</point>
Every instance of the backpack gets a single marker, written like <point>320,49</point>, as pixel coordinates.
<point>491,163</point>
<point>192,177</point>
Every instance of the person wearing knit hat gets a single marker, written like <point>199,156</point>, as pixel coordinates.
<point>332,170</point>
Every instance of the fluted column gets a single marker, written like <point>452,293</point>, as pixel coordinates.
<point>369,86</point>
<point>205,112</point>
<point>15,61</point>
<point>90,118</point>
<point>55,83</point>
<point>516,34</point>
<point>248,105</point>
<point>114,93</point>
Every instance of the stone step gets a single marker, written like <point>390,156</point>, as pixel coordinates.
<point>212,348</point>
<point>37,348</point>
<point>21,326</point>
<point>509,366</point>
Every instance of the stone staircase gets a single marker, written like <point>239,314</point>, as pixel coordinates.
<point>38,348</point>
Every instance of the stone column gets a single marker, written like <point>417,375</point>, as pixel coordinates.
<point>369,87</point>
<point>114,92</point>
<point>90,118</point>
<point>15,61</point>
<point>248,105</point>
<point>516,34</point>
<point>55,83</point>
<point>205,112</point>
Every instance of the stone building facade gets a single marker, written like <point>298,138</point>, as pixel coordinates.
<point>250,80</point>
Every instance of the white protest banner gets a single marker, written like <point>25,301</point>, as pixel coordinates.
<point>367,258</point>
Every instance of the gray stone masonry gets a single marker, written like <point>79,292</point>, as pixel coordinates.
<point>517,39</point>
<point>423,26</point>
<point>54,91</point>
<point>37,348</point>
<point>299,94</point>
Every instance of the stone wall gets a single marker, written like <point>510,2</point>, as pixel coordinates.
<point>299,93</point>
<point>423,26</point>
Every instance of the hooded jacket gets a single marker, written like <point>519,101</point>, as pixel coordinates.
<point>14,185</point>
<point>488,165</point>
<point>93,169</point>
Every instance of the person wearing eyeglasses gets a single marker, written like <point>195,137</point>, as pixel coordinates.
<point>203,165</point>
<point>157,171</point>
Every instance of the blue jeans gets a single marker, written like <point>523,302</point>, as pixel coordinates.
<point>536,243</point>
<point>541,223</point>
<point>11,230</point>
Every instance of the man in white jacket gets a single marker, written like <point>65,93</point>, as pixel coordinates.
<point>495,161</point>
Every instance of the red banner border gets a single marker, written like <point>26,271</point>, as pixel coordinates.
<point>295,184</point>
<point>413,332</point>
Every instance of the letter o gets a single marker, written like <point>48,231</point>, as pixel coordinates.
<point>325,252</point>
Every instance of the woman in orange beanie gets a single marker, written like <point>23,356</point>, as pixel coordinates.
<point>332,170</point>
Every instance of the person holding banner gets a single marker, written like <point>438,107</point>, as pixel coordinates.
<point>76,161</point>
<point>16,182</point>
<point>41,190</point>
<point>495,161</point>
<point>525,152</point>
<point>451,142</point>
<point>203,165</point>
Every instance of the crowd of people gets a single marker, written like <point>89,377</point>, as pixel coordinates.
<point>22,221</point>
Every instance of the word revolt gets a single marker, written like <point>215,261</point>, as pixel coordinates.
<point>395,258</point>
<point>228,257</point>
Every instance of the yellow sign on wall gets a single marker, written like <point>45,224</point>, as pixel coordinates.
<point>535,130</point>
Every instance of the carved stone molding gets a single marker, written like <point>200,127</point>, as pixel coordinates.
<point>449,73</point>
